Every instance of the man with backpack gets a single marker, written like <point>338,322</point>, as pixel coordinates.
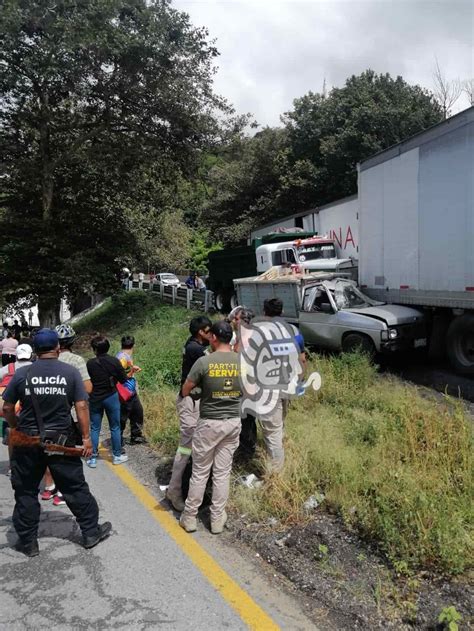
<point>131,409</point>
<point>23,358</point>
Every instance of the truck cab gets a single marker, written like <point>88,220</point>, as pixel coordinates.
<point>319,254</point>
<point>312,254</point>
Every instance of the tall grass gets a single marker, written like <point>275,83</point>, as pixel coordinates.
<point>396,465</point>
<point>160,331</point>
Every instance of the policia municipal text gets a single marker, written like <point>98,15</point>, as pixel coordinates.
<point>46,391</point>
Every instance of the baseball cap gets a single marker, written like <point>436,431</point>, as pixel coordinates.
<point>45,340</point>
<point>24,351</point>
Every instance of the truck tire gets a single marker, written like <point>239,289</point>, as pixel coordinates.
<point>234,301</point>
<point>358,342</point>
<point>222,301</point>
<point>460,344</point>
<point>219,300</point>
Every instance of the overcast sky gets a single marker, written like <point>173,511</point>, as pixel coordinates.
<point>273,51</point>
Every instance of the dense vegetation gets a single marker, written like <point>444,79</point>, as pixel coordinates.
<point>396,465</point>
<point>116,151</point>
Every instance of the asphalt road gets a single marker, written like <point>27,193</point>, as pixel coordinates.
<point>139,578</point>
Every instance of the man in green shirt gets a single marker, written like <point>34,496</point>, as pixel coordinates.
<point>216,436</point>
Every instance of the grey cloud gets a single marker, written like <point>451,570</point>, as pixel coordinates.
<point>273,52</point>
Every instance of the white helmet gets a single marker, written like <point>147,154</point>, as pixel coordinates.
<point>65,332</point>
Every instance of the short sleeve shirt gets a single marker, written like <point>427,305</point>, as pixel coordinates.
<point>56,385</point>
<point>192,351</point>
<point>218,376</point>
<point>77,361</point>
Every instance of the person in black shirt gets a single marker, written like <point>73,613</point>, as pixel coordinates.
<point>188,408</point>
<point>56,387</point>
<point>105,371</point>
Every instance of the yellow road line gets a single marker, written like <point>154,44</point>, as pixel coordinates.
<point>251,613</point>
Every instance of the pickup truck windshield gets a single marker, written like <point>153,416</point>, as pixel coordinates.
<point>347,296</point>
<point>318,251</point>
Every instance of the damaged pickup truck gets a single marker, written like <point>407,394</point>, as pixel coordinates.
<point>333,313</point>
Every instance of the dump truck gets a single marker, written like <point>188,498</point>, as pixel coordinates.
<point>296,250</point>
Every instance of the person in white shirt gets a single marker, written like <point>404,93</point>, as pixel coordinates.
<point>9,345</point>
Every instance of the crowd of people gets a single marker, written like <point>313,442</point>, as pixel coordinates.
<point>69,414</point>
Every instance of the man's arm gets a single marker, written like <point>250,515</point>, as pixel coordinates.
<point>9,414</point>
<point>188,385</point>
<point>87,385</point>
<point>82,411</point>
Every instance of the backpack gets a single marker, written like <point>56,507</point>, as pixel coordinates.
<point>5,381</point>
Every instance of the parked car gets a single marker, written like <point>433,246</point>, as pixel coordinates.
<point>167,279</point>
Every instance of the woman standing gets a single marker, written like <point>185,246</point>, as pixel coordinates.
<point>9,345</point>
<point>105,371</point>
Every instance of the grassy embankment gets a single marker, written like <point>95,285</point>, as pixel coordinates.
<point>397,466</point>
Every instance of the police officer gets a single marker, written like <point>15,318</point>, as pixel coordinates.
<point>56,387</point>
<point>187,408</point>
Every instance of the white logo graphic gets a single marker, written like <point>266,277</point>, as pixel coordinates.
<point>270,366</point>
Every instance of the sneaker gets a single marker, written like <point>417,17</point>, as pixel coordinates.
<point>188,523</point>
<point>48,494</point>
<point>92,462</point>
<point>59,500</point>
<point>120,459</point>
<point>217,525</point>
<point>29,549</point>
<point>175,500</point>
<point>104,531</point>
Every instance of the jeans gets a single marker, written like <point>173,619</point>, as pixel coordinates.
<point>111,406</point>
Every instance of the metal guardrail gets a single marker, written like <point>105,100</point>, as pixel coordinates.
<point>190,298</point>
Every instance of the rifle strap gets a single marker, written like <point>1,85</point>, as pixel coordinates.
<point>36,407</point>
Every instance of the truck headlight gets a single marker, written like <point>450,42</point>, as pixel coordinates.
<point>390,334</point>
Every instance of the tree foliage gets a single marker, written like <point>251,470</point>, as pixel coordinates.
<point>313,159</point>
<point>99,96</point>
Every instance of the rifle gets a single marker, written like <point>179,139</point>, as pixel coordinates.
<point>19,439</point>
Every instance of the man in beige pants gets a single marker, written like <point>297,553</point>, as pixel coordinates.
<point>216,436</point>
<point>273,423</point>
<point>188,408</point>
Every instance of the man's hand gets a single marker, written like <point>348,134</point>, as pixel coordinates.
<point>9,414</point>
<point>87,447</point>
<point>187,387</point>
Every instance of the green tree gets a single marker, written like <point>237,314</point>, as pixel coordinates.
<point>328,136</point>
<point>313,159</point>
<point>243,183</point>
<point>100,96</point>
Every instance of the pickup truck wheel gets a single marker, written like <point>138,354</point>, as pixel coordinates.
<point>357,342</point>
<point>234,301</point>
<point>460,344</point>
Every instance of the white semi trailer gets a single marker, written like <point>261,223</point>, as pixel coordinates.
<point>416,230</point>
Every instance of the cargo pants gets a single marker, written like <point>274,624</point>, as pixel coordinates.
<point>272,425</point>
<point>188,413</point>
<point>214,444</point>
